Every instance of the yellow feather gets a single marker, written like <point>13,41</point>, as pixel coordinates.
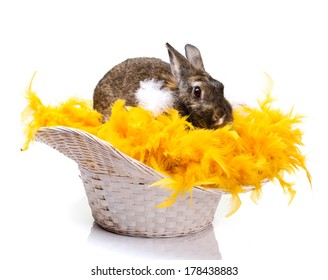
<point>262,143</point>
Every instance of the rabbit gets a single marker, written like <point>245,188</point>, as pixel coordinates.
<point>157,86</point>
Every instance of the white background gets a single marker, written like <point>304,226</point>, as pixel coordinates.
<point>47,230</point>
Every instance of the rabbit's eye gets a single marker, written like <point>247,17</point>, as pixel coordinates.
<point>197,91</point>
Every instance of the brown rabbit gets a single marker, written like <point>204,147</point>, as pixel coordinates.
<point>156,86</point>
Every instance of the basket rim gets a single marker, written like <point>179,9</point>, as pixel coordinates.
<point>42,131</point>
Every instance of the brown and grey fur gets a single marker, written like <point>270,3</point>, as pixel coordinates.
<point>180,77</point>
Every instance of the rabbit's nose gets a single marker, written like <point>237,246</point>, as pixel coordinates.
<point>218,120</point>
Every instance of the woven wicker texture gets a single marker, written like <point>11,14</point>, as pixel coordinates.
<point>117,189</point>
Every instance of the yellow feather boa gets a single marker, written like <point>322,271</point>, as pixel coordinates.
<point>261,144</point>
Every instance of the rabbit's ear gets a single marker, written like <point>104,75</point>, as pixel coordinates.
<point>180,66</point>
<point>194,57</point>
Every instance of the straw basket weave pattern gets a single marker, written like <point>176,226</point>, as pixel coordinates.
<point>117,189</point>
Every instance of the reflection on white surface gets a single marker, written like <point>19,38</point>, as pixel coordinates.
<point>199,246</point>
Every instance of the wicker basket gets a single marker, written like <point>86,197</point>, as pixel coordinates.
<point>117,189</point>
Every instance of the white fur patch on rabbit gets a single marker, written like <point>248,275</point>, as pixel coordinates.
<point>153,97</point>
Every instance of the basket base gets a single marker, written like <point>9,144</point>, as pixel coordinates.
<point>152,234</point>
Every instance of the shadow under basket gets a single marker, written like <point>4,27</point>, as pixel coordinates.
<point>117,189</point>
